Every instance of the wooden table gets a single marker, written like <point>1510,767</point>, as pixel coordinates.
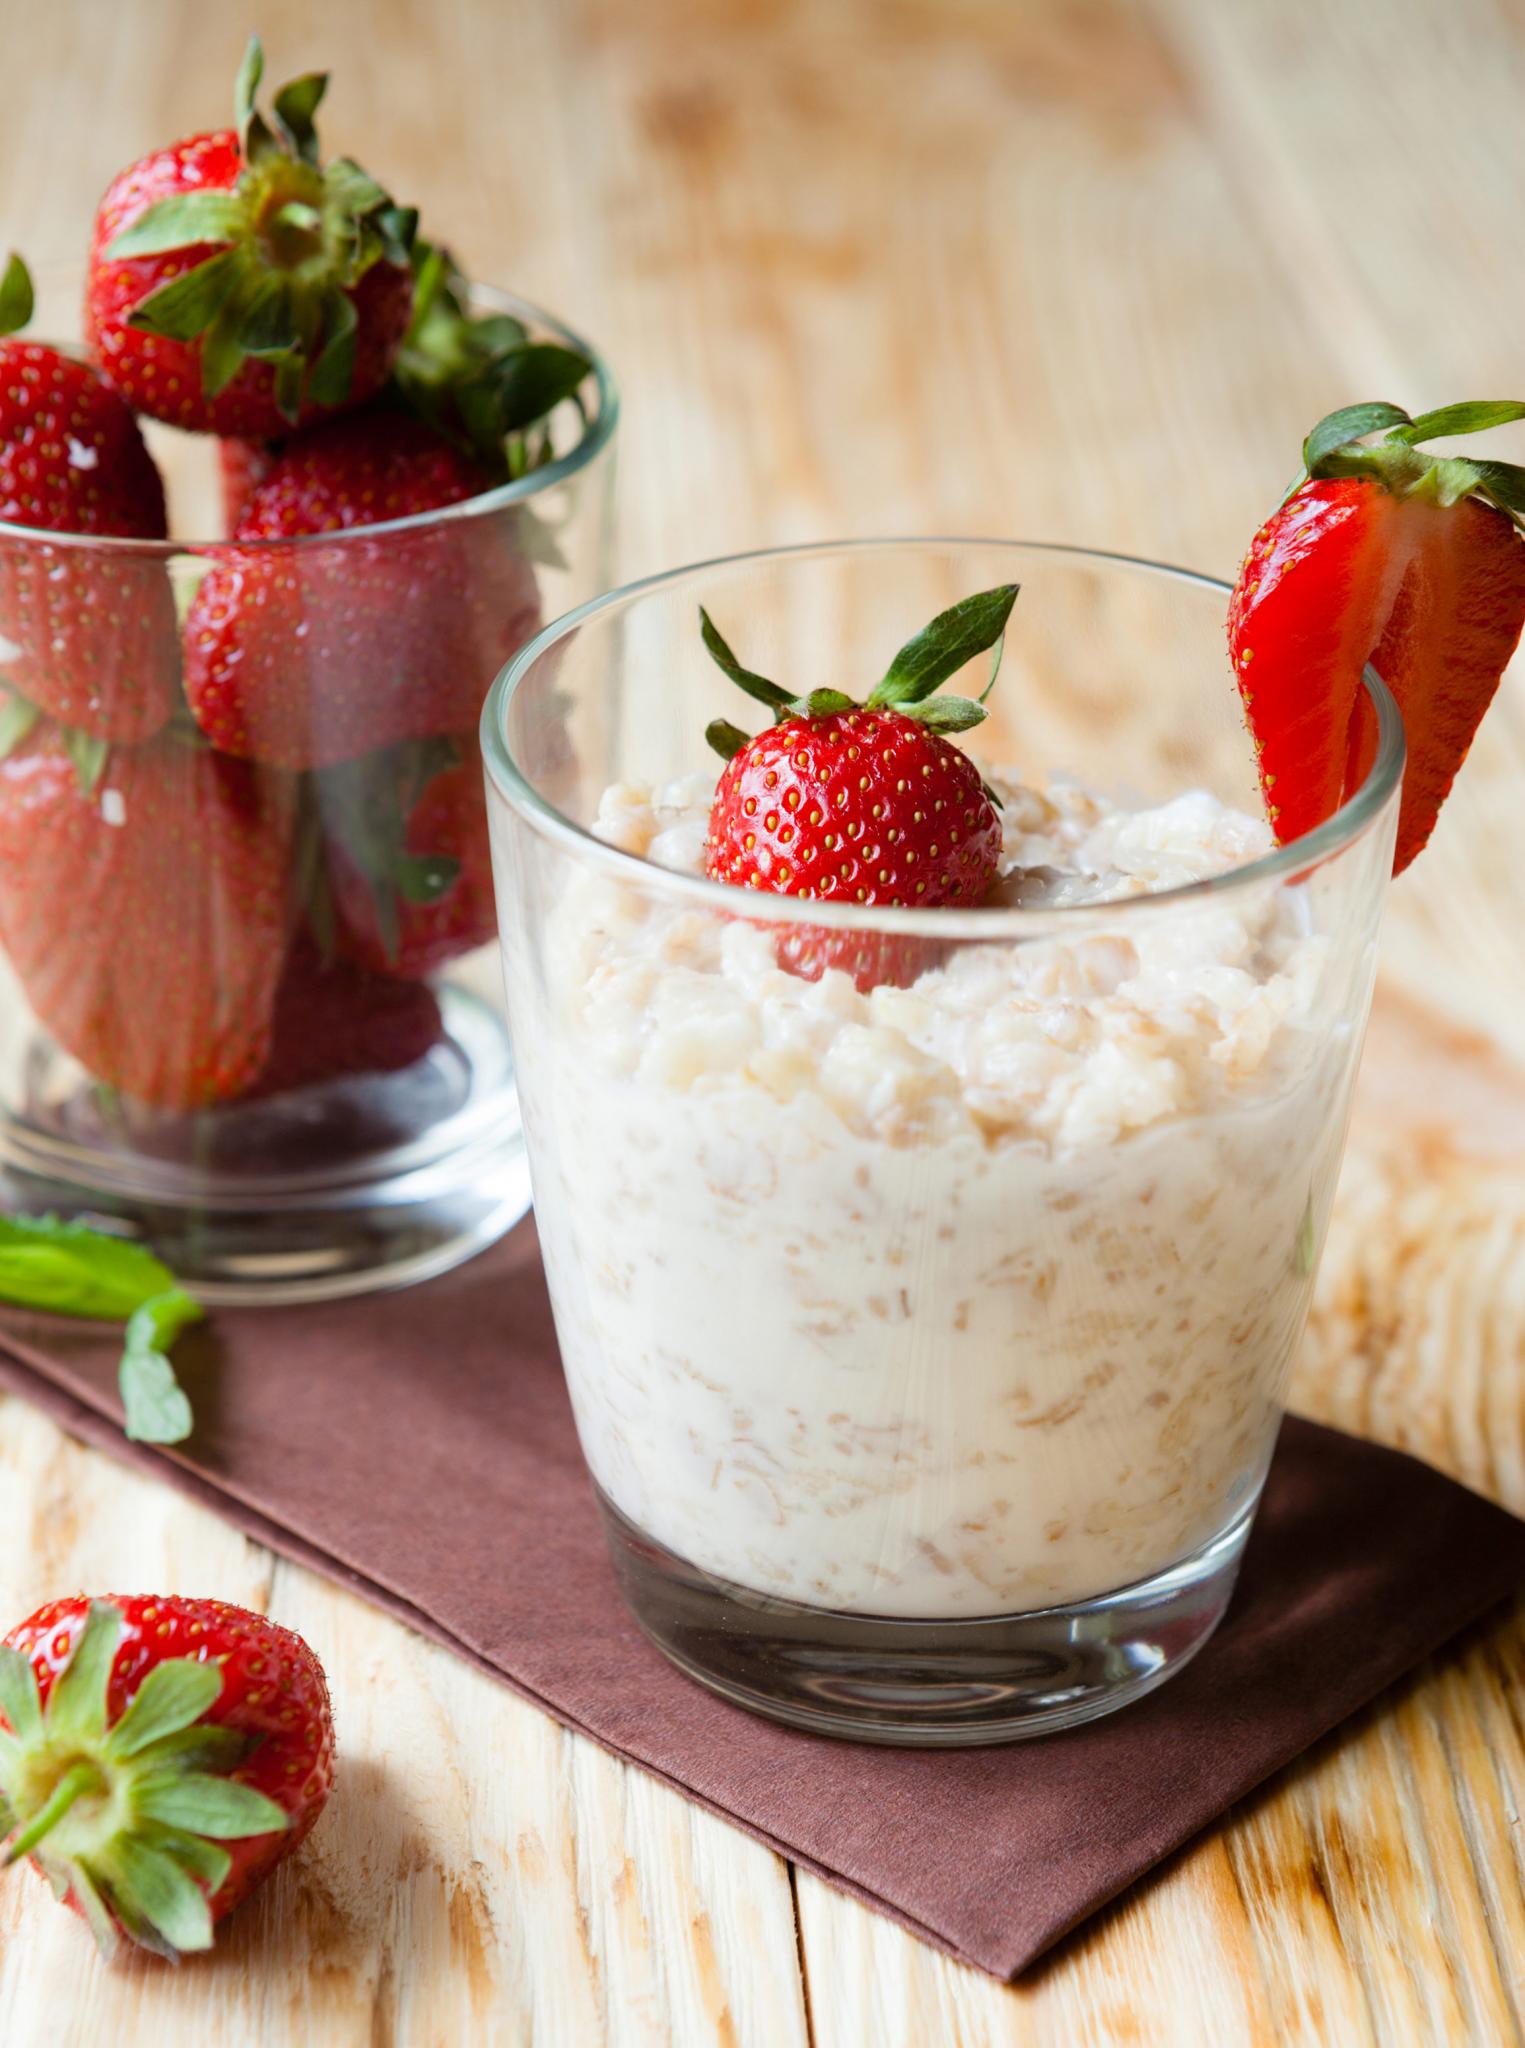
<point>1076,269</point>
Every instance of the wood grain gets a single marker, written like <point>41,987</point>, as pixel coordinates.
<point>1074,269</point>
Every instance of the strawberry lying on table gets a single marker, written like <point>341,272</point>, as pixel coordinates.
<point>1381,553</point>
<point>158,1758</point>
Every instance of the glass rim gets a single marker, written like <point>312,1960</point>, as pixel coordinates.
<point>1341,829</point>
<point>596,435</point>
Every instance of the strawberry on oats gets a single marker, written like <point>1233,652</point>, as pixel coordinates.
<point>862,803</point>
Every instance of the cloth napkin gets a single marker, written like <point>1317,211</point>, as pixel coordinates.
<point>418,1447</point>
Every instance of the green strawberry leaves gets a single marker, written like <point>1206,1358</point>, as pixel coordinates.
<point>1350,423</point>
<point>481,380</point>
<point>129,1818</point>
<point>180,223</point>
<point>726,739</point>
<point>1338,446</point>
<point>938,651</point>
<point>171,1697</point>
<point>65,1268</point>
<point>941,649</point>
<point>18,715</point>
<point>1471,417</point>
<point>365,806</point>
<point>16,301</point>
<point>777,700</point>
<point>290,242</point>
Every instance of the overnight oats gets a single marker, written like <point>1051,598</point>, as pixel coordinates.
<point>927,1273</point>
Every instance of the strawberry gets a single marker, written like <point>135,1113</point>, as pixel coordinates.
<point>239,286</point>
<point>143,906</point>
<point>1382,554</point>
<point>409,865</point>
<point>334,1020</point>
<point>243,465</point>
<point>91,631</point>
<point>163,1755</point>
<point>866,804</point>
<point>304,657</point>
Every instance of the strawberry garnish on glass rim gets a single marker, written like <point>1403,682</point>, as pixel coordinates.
<point>238,285</point>
<point>861,803</point>
<point>1380,553</point>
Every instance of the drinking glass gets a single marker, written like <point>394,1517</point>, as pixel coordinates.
<point>927,1322</point>
<point>250,1008</point>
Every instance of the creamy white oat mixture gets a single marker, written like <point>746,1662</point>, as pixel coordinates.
<point>951,1300</point>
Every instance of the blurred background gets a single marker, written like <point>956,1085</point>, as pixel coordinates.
<point>1066,269</point>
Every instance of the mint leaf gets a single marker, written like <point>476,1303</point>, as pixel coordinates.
<point>941,649</point>
<point>69,1269</point>
<point>154,1407</point>
<point>1350,423</point>
<point>156,1325</point>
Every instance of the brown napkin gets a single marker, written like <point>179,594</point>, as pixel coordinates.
<point>418,1448</point>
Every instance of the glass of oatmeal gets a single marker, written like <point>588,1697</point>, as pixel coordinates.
<point>927,1324</point>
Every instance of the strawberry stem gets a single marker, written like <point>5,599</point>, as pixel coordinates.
<point>77,1780</point>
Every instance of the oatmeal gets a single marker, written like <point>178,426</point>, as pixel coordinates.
<point>960,1298</point>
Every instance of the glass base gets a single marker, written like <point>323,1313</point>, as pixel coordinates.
<point>372,1181</point>
<point>926,1684</point>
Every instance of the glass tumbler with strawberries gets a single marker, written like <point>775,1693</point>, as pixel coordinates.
<point>248,1006</point>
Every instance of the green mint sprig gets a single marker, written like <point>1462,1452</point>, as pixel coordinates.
<point>69,1269</point>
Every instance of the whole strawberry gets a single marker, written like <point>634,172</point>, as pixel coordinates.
<point>334,1021</point>
<point>306,656</point>
<point>238,285</point>
<point>143,906</point>
<point>409,864</point>
<point>862,804</point>
<point>1382,554</point>
<point>92,631</point>
<point>243,464</point>
<point>163,1755</point>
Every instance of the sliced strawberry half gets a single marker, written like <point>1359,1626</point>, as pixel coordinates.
<point>1385,554</point>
